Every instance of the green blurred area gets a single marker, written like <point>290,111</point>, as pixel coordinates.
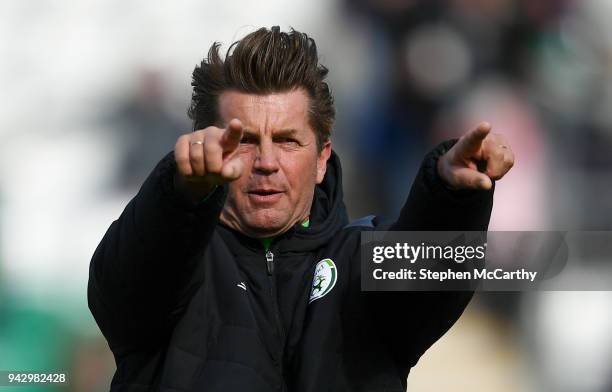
<point>52,339</point>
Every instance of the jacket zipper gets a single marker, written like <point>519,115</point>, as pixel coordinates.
<point>279,324</point>
<point>270,262</point>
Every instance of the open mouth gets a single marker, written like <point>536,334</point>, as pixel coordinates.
<point>264,195</point>
<point>264,192</point>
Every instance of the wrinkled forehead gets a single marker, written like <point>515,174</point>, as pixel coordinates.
<point>266,113</point>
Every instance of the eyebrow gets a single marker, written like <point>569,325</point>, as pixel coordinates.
<point>281,132</point>
<point>285,132</point>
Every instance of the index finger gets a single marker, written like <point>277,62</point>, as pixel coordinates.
<point>472,140</point>
<point>232,135</point>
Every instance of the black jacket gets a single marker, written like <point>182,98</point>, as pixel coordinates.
<point>187,304</point>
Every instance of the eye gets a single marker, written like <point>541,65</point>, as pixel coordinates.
<point>286,140</point>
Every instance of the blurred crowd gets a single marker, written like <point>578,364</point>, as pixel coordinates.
<point>94,95</point>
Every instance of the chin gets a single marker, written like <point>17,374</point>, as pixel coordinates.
<point>266,224</point>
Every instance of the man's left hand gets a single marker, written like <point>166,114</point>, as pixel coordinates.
<point>478,158</point>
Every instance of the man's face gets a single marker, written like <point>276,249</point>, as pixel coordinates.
<point>281,162</point>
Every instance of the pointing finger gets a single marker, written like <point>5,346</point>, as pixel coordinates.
<point>232,135</point>
<point>471,141</point>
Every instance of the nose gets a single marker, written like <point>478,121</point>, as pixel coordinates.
<point>266,160</point>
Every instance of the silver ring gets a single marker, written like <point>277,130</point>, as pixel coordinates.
<point>197,142</point>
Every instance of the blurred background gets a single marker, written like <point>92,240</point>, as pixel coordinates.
<point>94,93</point>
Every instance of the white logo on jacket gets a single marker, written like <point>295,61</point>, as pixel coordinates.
<point>325,277</point>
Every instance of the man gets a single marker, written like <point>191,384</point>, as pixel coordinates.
<point>206,281</point>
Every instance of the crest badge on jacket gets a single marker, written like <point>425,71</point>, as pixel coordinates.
<point>325,277</point>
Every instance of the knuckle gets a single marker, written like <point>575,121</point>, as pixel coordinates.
<point>182,139</point>
<point>181,142</point>
<point>213,131</point>
<point>196,135</point>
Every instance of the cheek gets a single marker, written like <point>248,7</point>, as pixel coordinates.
<point>300,173</point>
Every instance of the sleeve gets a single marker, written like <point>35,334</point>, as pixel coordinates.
<point>431,205</point>
<point>145,269</point>
<point>414,321</point>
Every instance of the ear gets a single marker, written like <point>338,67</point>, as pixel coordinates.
<point>322,160</point>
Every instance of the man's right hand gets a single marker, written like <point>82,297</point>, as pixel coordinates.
<point>206,158</point>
